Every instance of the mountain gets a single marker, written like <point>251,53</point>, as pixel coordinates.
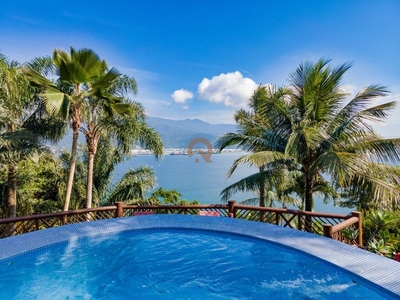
<point>179,133</point>
<point>174,133</point>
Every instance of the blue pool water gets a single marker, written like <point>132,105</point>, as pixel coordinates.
<point>174,264</point>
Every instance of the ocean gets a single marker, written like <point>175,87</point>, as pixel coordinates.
<point>198,180</point>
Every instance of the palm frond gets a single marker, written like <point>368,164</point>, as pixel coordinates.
<point>258,159</point>
<point>249,183</point>
<point>134,185</point>
<point>43,65</point>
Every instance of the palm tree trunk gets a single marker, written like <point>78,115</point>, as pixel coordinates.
<point>71,169</point>
<point>12,196</point>
<point>76,124</point>
<point>12,191</point>
<point>262,194</point>
<point>309,201</point>
<point>262,188</point>
<point>308,194</point>
<point>91,141</point>
<point>89,190</point>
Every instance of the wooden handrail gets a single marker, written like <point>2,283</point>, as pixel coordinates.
<point>167,206</point>
<point>56,214</point>
<point>279,216</point>
<point>344,224</point>
<point>291,211</point>
<point>354,219</point>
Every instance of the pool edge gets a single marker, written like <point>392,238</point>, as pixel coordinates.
<point>379,270</point>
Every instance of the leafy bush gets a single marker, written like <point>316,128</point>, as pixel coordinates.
<point>381,232</point>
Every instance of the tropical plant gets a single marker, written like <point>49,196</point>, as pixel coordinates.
<point>275,182</point>
<point>380,247</point>
<point>82,74</point>
<point>35,196</point>
<point>351,235</point>
<point>366,195</point>
<point>163,196</point>
<point>78,191</point>
<point>106,159</point>
<point>122,121</point>
<point>376,222</point>
<point>317,132</point>
<point>133,186</point>
<point>16,142</point>
<point>250,138</point>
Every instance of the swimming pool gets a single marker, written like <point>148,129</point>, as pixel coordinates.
<point>186,257</point>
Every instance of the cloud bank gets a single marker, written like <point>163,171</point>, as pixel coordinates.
<point>180,96</point>
<point>230,89</point>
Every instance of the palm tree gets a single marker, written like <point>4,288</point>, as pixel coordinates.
<point>16,142</point>
<point>317,132</point>
<point>367,195</point>
<point>119,119</point>
<point>82,74</point>
<point>106,159</point>
<point>126,126</point>
<point>250,138</point>
<point>15,146</point>
<point>328,136</point>
<point>95,116</point>
<point>78,191</point>
<point>133,186</point>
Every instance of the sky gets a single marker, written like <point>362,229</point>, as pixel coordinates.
<point>202,59</point>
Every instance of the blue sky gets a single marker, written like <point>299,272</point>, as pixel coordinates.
<point>203,58</point>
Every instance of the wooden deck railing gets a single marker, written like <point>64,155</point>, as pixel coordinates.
<point>330,225</point>
<point>354,223</point>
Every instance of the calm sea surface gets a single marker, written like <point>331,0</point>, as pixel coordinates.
<point>200,180</point>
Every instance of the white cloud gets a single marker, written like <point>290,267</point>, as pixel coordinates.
<point>350,89</point>
<point>180,96</point>
<point>138,74</point>
<point>231,89</point>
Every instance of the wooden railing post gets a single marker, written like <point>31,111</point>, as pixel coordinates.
<point>231,208</point>
<point>358,215</point>
<point>119,213</point>
<point>12,229</point>
<point>299,222</point>
<point>328,230</point>
<point>308,223</point>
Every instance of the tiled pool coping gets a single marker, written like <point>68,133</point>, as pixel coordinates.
<point>382,271</point>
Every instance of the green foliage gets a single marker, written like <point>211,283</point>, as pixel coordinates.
<point>272,182</point>
<point>380,247</point>
<point>78,191</point>
<point>133,186</point>
<point>381,232</point>
<point>351,235</point>
<point>19,138</point>
<point>368,195</point>
<point>162,196</point>
<point>312,129</point>
<point>105,162</point>
<point>41,195</point>
<point>89,93</point>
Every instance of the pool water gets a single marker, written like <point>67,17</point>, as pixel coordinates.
<point>174,264</point>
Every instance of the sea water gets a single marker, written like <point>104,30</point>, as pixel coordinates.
<point>199,180</point>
